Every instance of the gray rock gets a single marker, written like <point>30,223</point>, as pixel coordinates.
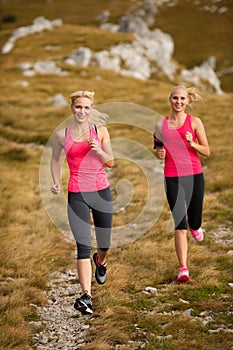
<point>58,100</point>
<point>103,17</point>
<point>199,75</point>
<point>39,24</point>
<point>42,339</point>
<point>151,290</point>
<point>41,67</point>
<point>81,57</point>
<point>188,312</point>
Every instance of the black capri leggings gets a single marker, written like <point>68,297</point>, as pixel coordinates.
<point>79,206</point>
<point>185,195</point>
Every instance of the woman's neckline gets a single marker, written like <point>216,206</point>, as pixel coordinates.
<point>171,126</point>
<point>85,141</point>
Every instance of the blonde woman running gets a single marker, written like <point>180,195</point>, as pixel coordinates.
<point>88,149</point>
<point>179,139</point>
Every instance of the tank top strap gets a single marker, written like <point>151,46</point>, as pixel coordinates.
<point>187,123</point>
<point>165,123</point>
<point>188,119</point>
<point>68,140</point>
<point>92,129</point>
<point>93,132</point>
<point>67,131</point>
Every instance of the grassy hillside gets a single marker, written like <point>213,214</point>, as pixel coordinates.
<point>197,34</point>
<point>31,247</point>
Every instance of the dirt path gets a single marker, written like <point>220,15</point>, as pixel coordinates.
<point>65,328</point>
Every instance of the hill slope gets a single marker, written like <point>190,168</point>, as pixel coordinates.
<point>181,19</point>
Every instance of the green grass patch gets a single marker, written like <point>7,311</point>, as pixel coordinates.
<point>203,293</point>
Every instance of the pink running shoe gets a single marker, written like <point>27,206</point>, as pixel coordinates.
<point>198,235</point>
<point>183,275</point>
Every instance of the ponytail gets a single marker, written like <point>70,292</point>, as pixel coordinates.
<point>193,95</point>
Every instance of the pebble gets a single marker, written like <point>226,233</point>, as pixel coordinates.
<point>151,290</point>
<point>64,327</point>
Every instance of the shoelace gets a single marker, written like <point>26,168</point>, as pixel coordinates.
<point>102,270</point>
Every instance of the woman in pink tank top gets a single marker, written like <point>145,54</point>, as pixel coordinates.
<point>179,139</point>
<point>88,150</point>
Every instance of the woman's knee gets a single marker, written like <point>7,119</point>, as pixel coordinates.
<point>104,249</point>
<point>83,251</point>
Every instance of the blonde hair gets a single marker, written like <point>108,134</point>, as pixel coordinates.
<point>191,92</point>
<point>79,93</point>
<point>96,117</point>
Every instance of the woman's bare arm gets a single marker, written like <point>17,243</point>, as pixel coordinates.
<point>202,146</point>
<point>55,161</point>
<point>105,154</point>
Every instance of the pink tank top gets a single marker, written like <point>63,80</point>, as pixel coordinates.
<point>87,173</point>
<point>181,158</point>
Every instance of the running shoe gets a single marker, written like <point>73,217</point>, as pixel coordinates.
<point>198,235</point>
<point>183,275</point>
<point>84,304</point>
<point>100,272</point>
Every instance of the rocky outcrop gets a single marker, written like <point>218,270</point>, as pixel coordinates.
<point>149,55</point>
<point>137,59</point>
<point>151,52</point>
<point>205,73</point>
<point>41,67</point>
<point>39,24</point>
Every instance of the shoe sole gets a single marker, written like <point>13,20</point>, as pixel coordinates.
<point>83,308</point>
<point>198,239</point>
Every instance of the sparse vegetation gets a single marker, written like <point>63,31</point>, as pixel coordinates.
<point>31,247</point>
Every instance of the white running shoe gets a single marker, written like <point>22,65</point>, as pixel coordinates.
<point>198,235</point>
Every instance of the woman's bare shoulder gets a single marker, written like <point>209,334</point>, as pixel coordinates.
<point>158,125</point>
<point>103,132</point>
<point>196,122</point>
<point>59,135</point>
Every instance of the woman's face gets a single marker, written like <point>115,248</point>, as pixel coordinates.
<point>179,100</point>
<point>81,109</point>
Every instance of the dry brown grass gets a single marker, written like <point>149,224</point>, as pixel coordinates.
<point>151,261</point>
<point>27,236</point>
<point>30,247</point>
